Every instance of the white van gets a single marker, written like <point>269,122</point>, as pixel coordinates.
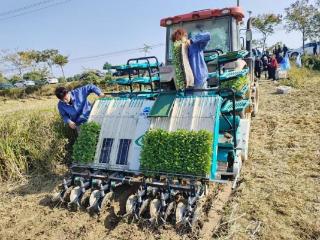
<point>52,81</point>
<point>308,49</point>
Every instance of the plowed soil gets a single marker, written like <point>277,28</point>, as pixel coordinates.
<point>278,196</point>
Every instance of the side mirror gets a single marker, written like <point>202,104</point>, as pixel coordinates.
<point>249,35</point>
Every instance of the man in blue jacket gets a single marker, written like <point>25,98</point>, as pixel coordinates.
<point>74,106</point>
<point>197,44</point>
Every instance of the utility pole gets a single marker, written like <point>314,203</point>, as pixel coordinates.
<point>146,49</point>
<point>238,3</point>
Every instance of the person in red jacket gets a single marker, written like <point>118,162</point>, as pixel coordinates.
<point>273,65</point>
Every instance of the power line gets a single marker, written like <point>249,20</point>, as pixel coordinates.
<point>94,57</point>
<point>35,10</point>
<point>26,7</point>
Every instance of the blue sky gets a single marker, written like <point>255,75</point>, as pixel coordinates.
<point>83,28</point>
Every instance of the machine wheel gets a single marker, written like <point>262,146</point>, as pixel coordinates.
<point>170,210</point>
<point>154,210</point>
<point>66,195</point>
<point>84,201</point>
<point>56,197</point>
<point>144,207</point>
<point>107,200</point>
<point>180,210</point>
<point>255,100</point>
<point>196,217</point>
<point>130,204</point>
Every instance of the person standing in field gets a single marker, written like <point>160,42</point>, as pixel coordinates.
<point>273,66</point>
<point>315,48</point>
<point>265,64</point>
<point>196,46</point>
<point>285,50</point>
<point>74,106</point>
<point>258,65</point>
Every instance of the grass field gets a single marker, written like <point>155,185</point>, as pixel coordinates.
<point>277,197</point>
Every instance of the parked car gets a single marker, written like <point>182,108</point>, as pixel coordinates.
<point>29,83</point>
<point>308,50</point>
<point>52,81</point>
<point>24,83</point>
<point>20,84</point>
<point>41,82</point>
<point>4,86</point>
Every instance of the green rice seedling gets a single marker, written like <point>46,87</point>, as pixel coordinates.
<point>85,146</point>
<point>236,84</point>
<point>182,151</point>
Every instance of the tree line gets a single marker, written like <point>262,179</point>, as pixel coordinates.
<point>33,64</point>
<point>302,16</point>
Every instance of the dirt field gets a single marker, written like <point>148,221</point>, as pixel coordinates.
<point>278,195</point>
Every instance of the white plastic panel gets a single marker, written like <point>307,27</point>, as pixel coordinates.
<point>190,113</point>
<point>99,110</point>
<point>122,119</point>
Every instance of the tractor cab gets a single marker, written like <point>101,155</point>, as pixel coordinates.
<point>222,24</point>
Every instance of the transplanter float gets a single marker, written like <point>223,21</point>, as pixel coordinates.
<point>223,111</point>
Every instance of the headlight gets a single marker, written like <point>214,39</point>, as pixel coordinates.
<point>169,22</point>
<point>225,11</point>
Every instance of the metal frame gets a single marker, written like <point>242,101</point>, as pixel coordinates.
<point>130,177</point>
<point>148,69</point>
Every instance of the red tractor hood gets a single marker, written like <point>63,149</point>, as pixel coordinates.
<point>236,12</point>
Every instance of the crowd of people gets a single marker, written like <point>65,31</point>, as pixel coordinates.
<point>268,63</point>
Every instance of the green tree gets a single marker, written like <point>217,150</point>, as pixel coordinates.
<point>272,47</point>
<point>31,58</point>
<point>299,18</point>
<point>61,61</point>
<point>2,78</point>
<point>265,24</point>
<point>258,43</point>
<point>47,57</point>
<point>62,80</point>
<point>108,78</point>
<point>18,60</point>
<point>107,66</point>
<point>33,75</point>
<point>15,78</point>
<point>90,76</point>
<point>315,24</point>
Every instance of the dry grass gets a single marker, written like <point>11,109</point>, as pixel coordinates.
<point>9,106</point>
<point>31,140</point>
<point>278,197</point>
<point>298,77</point>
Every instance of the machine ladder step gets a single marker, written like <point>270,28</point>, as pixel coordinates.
<point>241,94</point>
<point>240,106</point>
<point>229,74</point>
<point>136,66</point>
